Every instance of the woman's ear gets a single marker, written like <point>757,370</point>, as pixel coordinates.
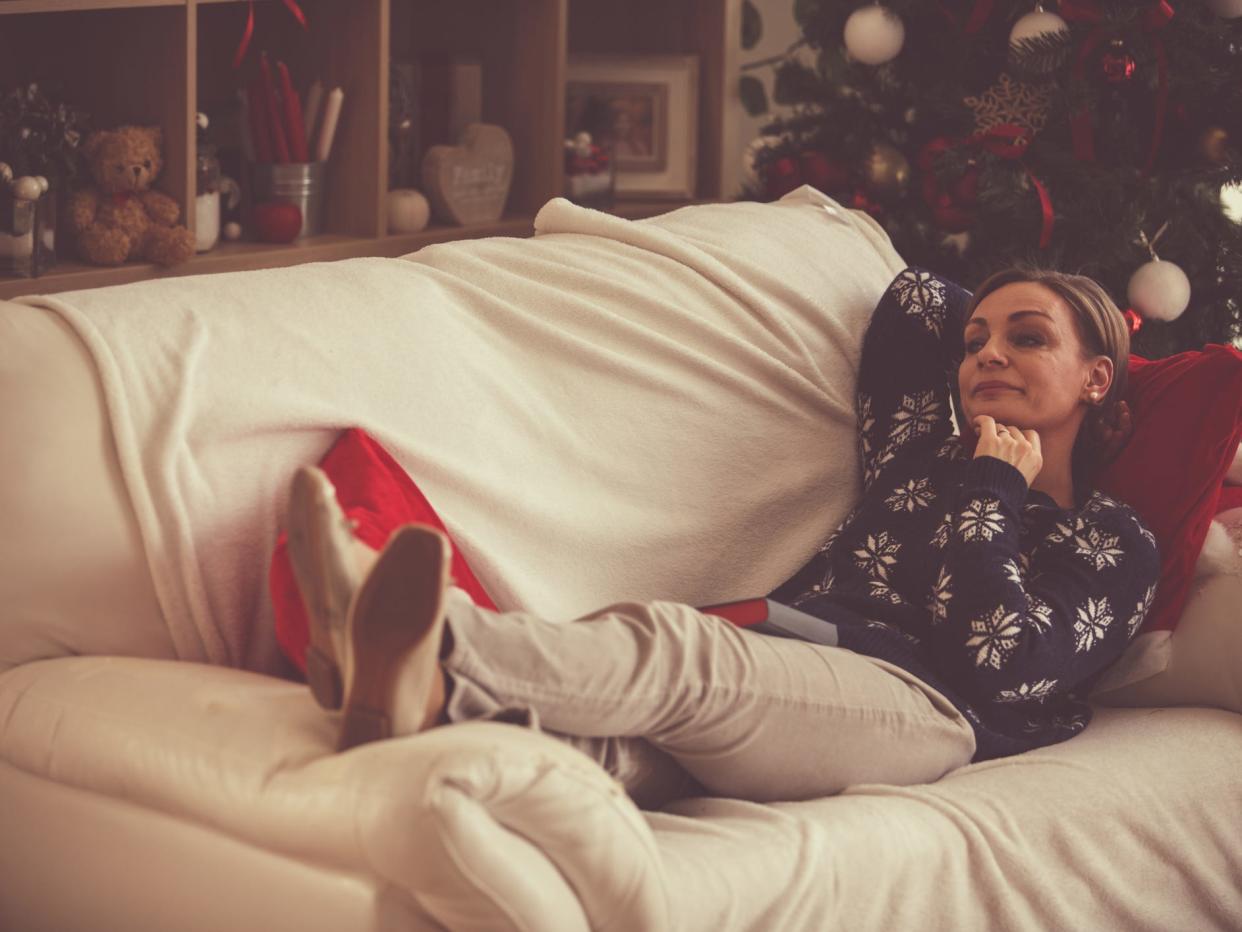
<point>1099,377</point>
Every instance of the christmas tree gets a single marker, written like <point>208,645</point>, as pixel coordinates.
<point>1092,137</point>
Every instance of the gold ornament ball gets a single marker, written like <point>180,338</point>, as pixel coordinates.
<point>887,171</point>
<point>1212,144</point>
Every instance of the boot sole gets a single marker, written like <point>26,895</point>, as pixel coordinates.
<point>395,628</point>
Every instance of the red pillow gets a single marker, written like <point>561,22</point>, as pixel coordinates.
<point>1187,413</point>
<point>380,496</point>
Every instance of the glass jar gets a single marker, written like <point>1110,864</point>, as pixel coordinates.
<point>590,171</point>
<point>27,231</point>
<point>207,198</point>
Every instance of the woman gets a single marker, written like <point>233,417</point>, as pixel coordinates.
<point>968,602</point>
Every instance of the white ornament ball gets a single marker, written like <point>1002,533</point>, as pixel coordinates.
<point>1231,200</point>
<point>408,210</point>
<point>6,173</point>
<point>1037,24</point>
<point>874,35</point>
<point>232,231</point>
<point>27,188</point>
<point>1226,9</point>
<point>43,184</point>
<point>750,174</point>
<point>1159,290</point>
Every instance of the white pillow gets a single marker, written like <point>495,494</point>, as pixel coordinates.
<point>1204,654</point>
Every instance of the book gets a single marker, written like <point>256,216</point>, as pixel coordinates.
<point>775,618</point>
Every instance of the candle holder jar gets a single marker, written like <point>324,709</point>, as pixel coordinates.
<point>210,186</point>
<point>590,171</point>
<point>27,233</point>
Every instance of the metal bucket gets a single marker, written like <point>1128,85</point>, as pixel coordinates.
<point>300,183</point>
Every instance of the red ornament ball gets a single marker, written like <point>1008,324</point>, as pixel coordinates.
<point>1117,66</point>
<point>821,172</point>
<point>952,205</point>
<point>277,221</point>
<point>782,176</point>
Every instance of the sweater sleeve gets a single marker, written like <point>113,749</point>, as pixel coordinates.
<point>910,356</point>
<point>1014,627</point>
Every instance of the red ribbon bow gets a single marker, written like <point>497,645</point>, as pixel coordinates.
<point>248,33</point>
<point>1007,141</point>
<point>1151,22</point>
<point>975,19</point>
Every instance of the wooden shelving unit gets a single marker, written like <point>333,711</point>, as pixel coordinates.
<point>159,61</point>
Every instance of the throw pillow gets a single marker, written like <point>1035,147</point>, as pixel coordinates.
<point>1187,412</point>
<point>380,496</point>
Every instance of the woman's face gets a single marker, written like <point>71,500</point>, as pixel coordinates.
<point>1024,362</point>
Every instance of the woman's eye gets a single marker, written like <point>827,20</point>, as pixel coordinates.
<point>1029,339</point>
<point>973,346</point>
<point>147,164</point>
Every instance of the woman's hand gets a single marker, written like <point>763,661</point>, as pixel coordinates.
<point>1019,448</point>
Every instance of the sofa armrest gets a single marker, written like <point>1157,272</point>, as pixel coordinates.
<point>488,826</point>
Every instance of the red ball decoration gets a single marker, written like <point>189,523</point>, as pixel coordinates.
<point>277,221</point>
<point>953,206</point>
<point>782,176</point>
<point>1117,66</point>
<point>821,172</point>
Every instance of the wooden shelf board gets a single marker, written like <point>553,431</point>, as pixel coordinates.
<point>69,6</point>
<point>245,256</point>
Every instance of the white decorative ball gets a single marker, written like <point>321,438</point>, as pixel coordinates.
<point>874,35</point>
<point>408,211</point>
<point>1231,200</point>
<point>232,231</point>
<point>750,154</point>
<point>1037,24</point>
<point>43,184</point>
<point>1226,9</point>
<point>27,188</point>
<point>6,173</point>
<point>1159,290</point>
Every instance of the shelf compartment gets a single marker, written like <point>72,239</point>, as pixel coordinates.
<point>522,50</point>
<point>110,77</point>
<point>338,48</point>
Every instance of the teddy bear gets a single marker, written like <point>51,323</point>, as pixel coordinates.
<point>120,217</point>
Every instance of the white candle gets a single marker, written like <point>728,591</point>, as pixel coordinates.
<point>327,129</point>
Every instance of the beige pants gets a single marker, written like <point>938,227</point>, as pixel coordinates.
<point>673,702</point>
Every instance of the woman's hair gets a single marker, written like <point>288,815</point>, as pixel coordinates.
<point>1102,331</point>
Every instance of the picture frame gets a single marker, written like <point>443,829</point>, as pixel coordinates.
<point>645,109</point>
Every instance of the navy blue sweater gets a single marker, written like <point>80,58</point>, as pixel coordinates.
<point>952,567</point>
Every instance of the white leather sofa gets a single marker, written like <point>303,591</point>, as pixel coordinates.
<point>157,773</point>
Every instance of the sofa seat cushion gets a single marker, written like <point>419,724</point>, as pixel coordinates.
<point>487,826</point>
<point>1131,825</point>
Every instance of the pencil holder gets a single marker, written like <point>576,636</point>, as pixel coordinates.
<point>300,183</point>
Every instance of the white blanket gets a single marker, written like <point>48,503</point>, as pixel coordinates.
<point>611,410</point>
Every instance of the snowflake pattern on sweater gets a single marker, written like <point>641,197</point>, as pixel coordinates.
<point>951,567</point>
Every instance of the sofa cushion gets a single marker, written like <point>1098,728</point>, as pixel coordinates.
<point>1187,412</point>
<point>378,496</point>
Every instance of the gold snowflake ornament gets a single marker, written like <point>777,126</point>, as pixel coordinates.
<point>1011,102</point>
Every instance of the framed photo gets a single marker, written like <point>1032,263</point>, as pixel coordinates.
<point>645,108</point>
